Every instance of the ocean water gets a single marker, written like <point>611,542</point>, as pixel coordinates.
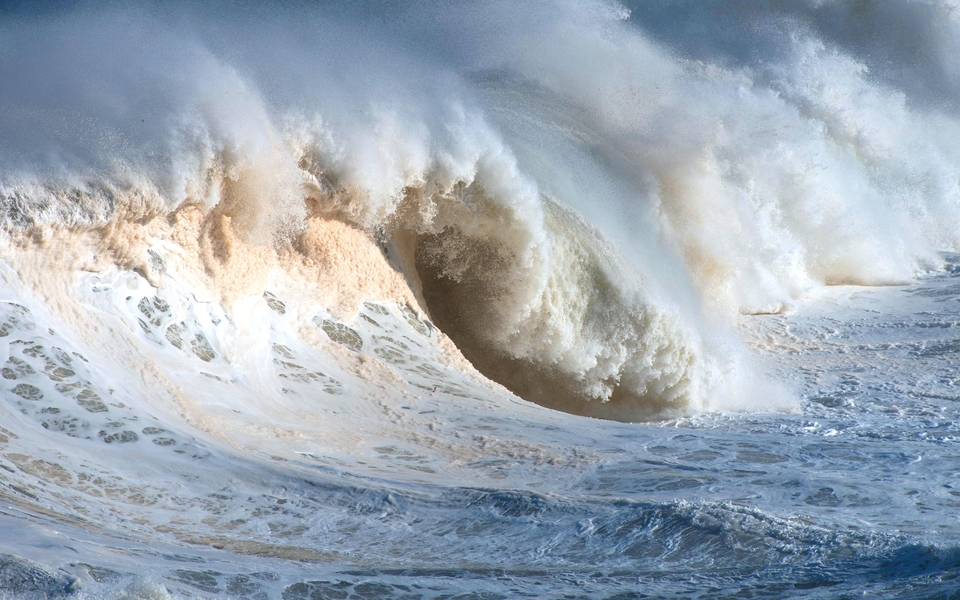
<point>476,300</point>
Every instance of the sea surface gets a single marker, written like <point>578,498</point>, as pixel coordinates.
<point>477,300</point>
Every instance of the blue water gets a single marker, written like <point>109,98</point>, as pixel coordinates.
<point>850,493</point>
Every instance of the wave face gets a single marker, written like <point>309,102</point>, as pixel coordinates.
<point>552,177</point>
<point>301,269</point>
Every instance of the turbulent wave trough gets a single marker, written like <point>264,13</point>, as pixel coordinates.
<point>479,299</point>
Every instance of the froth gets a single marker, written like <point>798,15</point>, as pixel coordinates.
<point>578,196</point>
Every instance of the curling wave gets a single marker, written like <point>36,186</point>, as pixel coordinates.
<point>578,198</point>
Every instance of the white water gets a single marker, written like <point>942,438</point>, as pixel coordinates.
<point>273,275</point>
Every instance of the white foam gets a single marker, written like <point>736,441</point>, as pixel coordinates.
<point>710,188</point>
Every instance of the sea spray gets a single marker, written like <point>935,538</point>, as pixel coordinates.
<point>571,177</point>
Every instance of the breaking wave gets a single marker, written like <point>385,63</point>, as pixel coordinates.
<point>580,195</point>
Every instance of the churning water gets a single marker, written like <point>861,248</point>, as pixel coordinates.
<point>480,300</point>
